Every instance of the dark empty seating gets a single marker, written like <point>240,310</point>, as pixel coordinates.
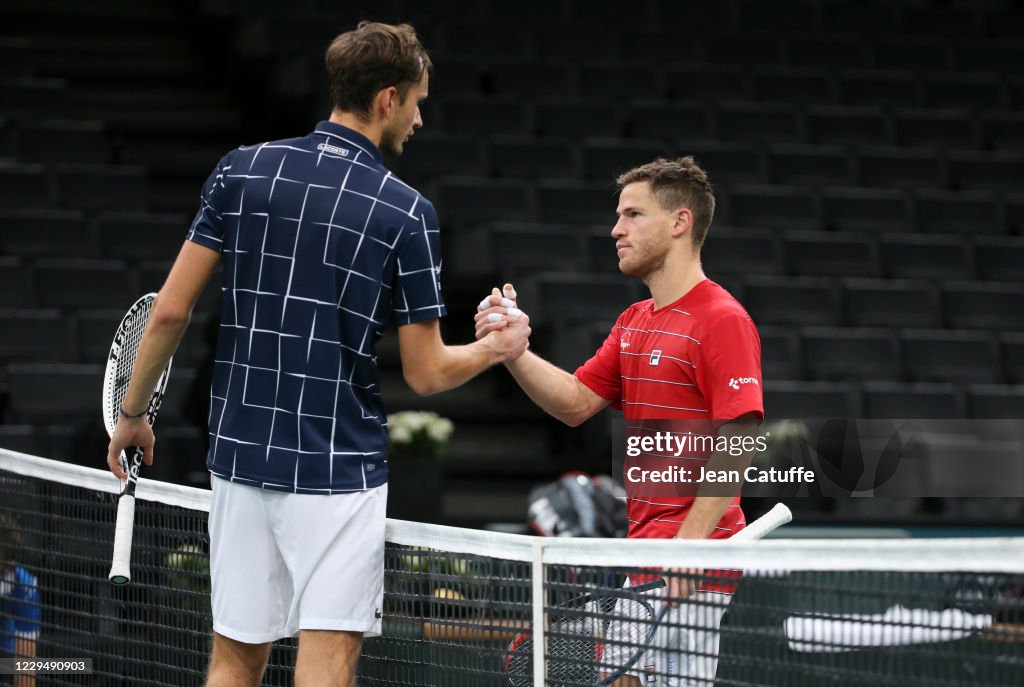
<point>725,162</point>
<point>996,402</point>
<point>528,78</point>
<point>139,236</point>
<point>100,187</point>
<point>619,81</point>
<point>802,400</point>
<point>781,15</point>
<point>571,201</point>
<point>785,207</point>
<point>564,296</point>
<point>949,356</point>
<point>55,233</point>
<point>602,256</point>
<point>94,330</point>
<point>809,164</point>
<point>477,116</point>
<point>891,303</point>
<point>32,95</point>
<point>979,305</point>
<point>430,155</point>
<point>708,82</point>
<point>41,391</point>
<point>21,438</point>
<point>79,283</point>
<point>853,354</point>
<point>64,141</point>
<point>963,90</point>
<point>606,159</point>
<point>579,118</point>
<point>886,88</point>
<point>903,52</point>
<point>863,209</point>
<point>658,119</point>
<point>15,283</point>
<point>915,255</point>
<point>477,40</point>
<point>968,212</point>
<point>744,49</point>
<point>741,252</point>
<point>553,42</point>
<point>1003,130</point>
<point>848,125</point>
<point>830,254</point>
<point>35,335</point>
<point>470,198</point>
<point>1012,346</point>
<point>780,359</point>
<point>893,401</point>
<point>528,158</point>
<point>521,248</point>
<point>941,128</point>
<point>835,51</point>
<point>988,55</point>
<point>23,185</point>
<point>984,170</point>
<point>998,257</point>
<point>758,122</point>
<point>792,300</point>
<point>904,167</point>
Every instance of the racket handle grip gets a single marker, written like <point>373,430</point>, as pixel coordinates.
<point>120,567</point>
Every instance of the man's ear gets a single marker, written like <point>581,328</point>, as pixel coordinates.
<point>682,222</point>
<point>386,101</point>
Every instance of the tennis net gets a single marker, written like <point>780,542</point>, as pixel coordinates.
<point>461,606</point>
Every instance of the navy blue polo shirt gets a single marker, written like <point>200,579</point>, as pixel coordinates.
<point>322,246</point>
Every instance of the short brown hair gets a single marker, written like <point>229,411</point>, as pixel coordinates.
<point>680,183</point>
<point>373,56</point>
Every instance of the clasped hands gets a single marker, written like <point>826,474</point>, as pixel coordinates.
<point>500,322</point>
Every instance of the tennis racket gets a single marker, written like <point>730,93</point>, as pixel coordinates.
<point>574,639</point>
<point>120,364</point>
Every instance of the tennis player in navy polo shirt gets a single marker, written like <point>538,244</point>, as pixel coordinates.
<point>321,246</point>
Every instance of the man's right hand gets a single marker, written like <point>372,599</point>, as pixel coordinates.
<point>500,322</point>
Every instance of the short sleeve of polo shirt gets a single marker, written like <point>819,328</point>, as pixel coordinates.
<point>602,373</point>
<point>418,281</point>
<point>729,375</point>
<point>208,226</point>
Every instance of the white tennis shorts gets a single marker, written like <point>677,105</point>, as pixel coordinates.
<point>282,562</point>
<point>684,651</point>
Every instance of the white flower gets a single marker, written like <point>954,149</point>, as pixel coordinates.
<point>400,434</point>
<point>440,430</point>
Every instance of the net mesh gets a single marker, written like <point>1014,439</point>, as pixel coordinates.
<point>459,605</point>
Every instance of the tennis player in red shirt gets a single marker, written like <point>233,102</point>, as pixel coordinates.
<point>689,356</point>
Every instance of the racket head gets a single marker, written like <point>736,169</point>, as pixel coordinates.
<point>121,362</point>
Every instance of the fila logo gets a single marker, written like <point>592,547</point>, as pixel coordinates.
<point>328,148</point>
<point>655,356</point>
<point>735,382</point>
<point>623,345</point>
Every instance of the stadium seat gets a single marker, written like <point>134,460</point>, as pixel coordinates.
<point>659,119</point>
<point>42,391</point>
<point>864,209</point>
<point>101,187</point>
<point>725,162</point>
<point>31,96</point>
<point>1012,346</point>
<point>849,354</point>
<point>1004,22</point>
<point>929,257</point>
<point>809,164</point>
<point>963,90</point>
<point>529,78</point>
<point>1014,206</point>
<point>905,52</point>
<point>614,81</point>
<point>601,254</point>
<point>606,159</point>
<point>806,400</point>
<point>891,303</point>
<point>942,20</point>
<point>741,252</point>
<point>758,122</point>
<point>560,297</point>
<point>526,157</point>
<point>15,283</point>
<point>721,15</point>
<point>884,88</point>
<point>477,41</point>
<point>524,248</point>
<point>902,167</point>
<point>843,254</point>
<point>33,335</point>
<point>996,402</point>
<point>841,51</point>
<point>785,207</point>
<point>986,171</point>
<point>555,43</point>
<point>64,141</point>
<point>792,300</point>
<point>429,155</point>
<point>988,55</point>
<point>781,16</point>
<point>848,125</point>
<point>579,118</point>
<point>23,185</point>
<point>744,49</point>
<point>977,305</point>
<point>949,356</point>
<point>469,199</point>
<point>712,83</point>
<point>652,46</point>
<point>940,128</point>
<point>576,201</point>
<point>21,438</point>
<point>894,401</point>
<point>82,283</point>
<point>53,233</point>
<point>136,236</point>
<point>1002,130</point>
<point>780,358</point>
<point>964,212</point>
<point>863,18</point>
<point>998,257</point>
<point>484,117</point>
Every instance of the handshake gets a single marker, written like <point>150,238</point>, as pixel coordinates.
<point>502,325</point>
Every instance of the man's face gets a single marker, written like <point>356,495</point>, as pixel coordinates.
<point>643,234</point>
<point>405,117</point>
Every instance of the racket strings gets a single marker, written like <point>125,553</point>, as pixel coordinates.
<point>132,329</point>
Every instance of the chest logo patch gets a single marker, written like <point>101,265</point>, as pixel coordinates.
<point>655,357</point>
